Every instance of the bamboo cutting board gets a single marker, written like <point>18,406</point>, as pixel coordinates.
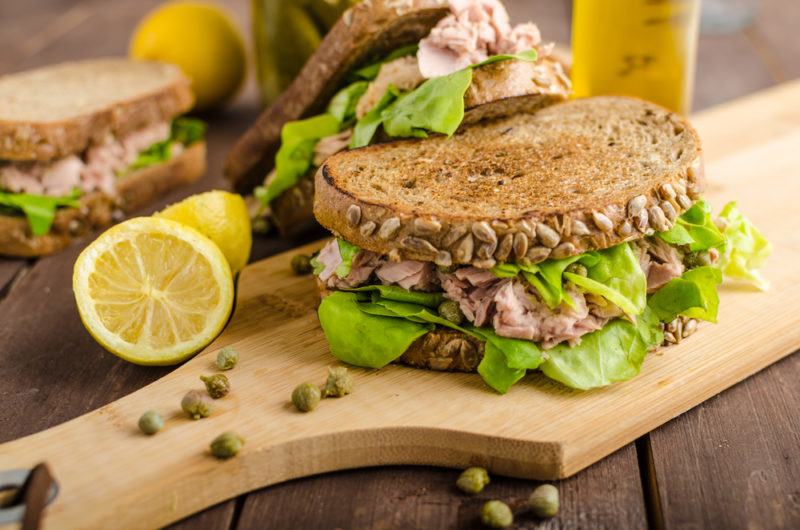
<point>111,476</point>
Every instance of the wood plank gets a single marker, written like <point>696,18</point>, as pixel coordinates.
<point>732,462</point>
<point>607,495</point>
<point>392,419</point>
<point>219,517</point>
<point>9,269</point>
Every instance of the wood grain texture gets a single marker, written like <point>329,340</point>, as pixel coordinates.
<point>405,416</point>
<point>607,494</point>
<point>731,463</point>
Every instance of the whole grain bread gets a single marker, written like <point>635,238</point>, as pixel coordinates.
<point>61,109</point>
<point>98,210</point>
<point>499,89</point>
<point>577,176</point>
<point>366,32</point>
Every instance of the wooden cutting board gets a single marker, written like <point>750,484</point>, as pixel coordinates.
<point>110,475</point>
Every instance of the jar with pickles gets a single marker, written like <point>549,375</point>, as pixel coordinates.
<point>285,34</point>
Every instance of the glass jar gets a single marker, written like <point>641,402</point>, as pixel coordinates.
<point>285,34</point>
<point>643,48</point>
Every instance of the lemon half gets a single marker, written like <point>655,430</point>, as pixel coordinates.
<point>153,291</point>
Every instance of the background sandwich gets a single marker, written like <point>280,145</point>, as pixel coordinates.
<point>83,142</point>
<point>386,70</point>
<point>573,241</point>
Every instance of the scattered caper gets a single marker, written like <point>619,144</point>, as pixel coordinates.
<point>339,383</point>
<point>543,501</point>
<point>306,397</point>
<point>700,258</point>
<point>217,385</point>
<point>150,422</point>
<point>496,514</point>
<point>578,268</point>
<point>301,264</point>
<point>196,404</point>
<point>446,269</point>
<point>472,480</point>
<point>449,310</point>
<point>227,358</point>
<point>260,225</point>
<point>227,445</point>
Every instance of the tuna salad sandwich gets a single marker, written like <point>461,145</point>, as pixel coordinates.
<point>390,69</point>
<point>573,241</point>
<point>81,143</point>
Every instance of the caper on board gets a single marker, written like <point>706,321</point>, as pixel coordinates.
<point>197,404</point>
<point>543,502</point>
<point>227,445</point>
<point>496,514</point>
<point>150,422</point>
<point>472,480</point>
<point>306,396</point>
<point>217,385</point>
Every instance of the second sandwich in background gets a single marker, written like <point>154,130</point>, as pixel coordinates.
<point>391,70</point>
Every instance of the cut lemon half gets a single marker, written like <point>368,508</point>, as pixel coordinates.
<point>153,291</point>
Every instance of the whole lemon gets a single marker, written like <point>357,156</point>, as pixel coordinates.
<point>202,40</point>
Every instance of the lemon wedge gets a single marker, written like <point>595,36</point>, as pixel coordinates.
<point>220,216</point>
<point>153,291</point>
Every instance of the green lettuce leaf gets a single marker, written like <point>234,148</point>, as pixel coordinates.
<point>746,250</point>
<point>368,125</point>
<point>184,130</point>
<point>505,361</point>
<point>39,210</point>
<point>614,274</point>
<point>436,106</point>
<point>343,105</point>
<point>398,294</point>
<point>696,228</point>
<point>370,72</point>
<point>694,295</point>
<point>609,355</point>
<point>296,154</point>
<point>364,339</point>
<point>348,251</point>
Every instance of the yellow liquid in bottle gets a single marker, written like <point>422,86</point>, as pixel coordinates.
<point>643,48</point>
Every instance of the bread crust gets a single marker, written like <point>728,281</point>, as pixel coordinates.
<point>451,225</point>
<point>499,89</point>
<point>98,210</point>
<point>47,140</point>
<point>366,31</point>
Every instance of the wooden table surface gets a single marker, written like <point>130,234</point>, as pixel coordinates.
<point>733,462</point>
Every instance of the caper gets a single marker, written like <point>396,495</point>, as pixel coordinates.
<point>217,385</point>
<point>227,445</point>
<point>449,269</point>
<point>543,502</point>
<point>496,514</point>
<point>306,397</point>
<point>301,264</point>
<point>577,268</point>
<point>700,258</point>
<point>196,404</point>
<point>451,311</point>
<point>339,383</point>
<point>150,422</point>
<point>472,480</point>
<point>260,225</point>
<point>227,358</point>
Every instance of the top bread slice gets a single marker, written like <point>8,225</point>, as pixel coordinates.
<point>61,109</point>
<point>577,176</point>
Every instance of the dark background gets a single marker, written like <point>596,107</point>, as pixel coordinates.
<point>731,462</point>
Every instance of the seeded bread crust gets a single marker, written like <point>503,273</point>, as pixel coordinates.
<point>500,89</point>
<point>93,99</point>
<point>367,31</point>
<point>98,210</point>
<point>578,176</point>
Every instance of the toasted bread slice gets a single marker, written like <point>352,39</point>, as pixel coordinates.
<point>98,210</point>
<point>499,89</point>
<point>60,110</point>
<point>367,31</point>
<point>577,176</point>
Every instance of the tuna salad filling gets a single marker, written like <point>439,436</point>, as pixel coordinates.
<point>393,96</point>
<point>585,321</point>
<point>37,189</point>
